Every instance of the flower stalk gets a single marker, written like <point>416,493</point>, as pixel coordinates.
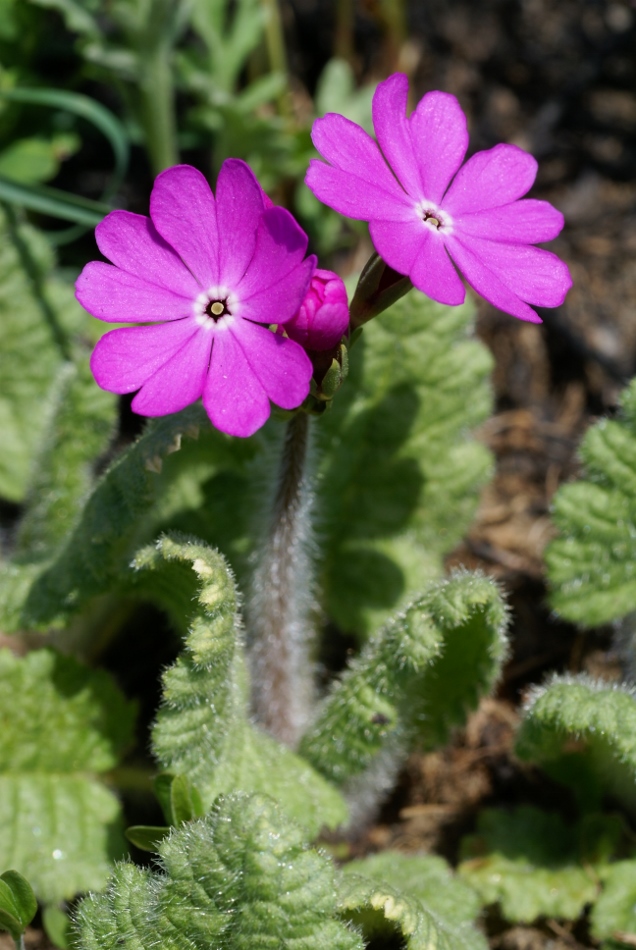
<point>281,598</point>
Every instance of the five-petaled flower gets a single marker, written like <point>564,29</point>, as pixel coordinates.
<point>205,277</point>
<point>422,206</point>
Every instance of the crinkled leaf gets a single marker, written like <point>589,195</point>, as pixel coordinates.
<point>203,729</point>
<point>242,877</point>
<point>60,723</point>
<point>414,680</point>
<point>614,913</point>
<point>116,516</point>
<point>80,421</point>
<point>30,323</point>
<point>592,564</point>
<point>399,478</point>
<point>533,864</point>
<point>583,733</point>
<point>376,907</point>
<point>425,877</point>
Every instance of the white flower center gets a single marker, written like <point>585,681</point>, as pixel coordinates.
<point>434,218</point>
<point>215,308</point>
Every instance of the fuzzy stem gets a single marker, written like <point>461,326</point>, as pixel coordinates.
<point>281,599</point>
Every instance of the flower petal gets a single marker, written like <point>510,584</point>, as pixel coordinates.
<point>440,139</point>
<point>490,179</point>
<point>132,243</point>
<point>124,359</point>
<point>537,276</point>
<point>348,147</point>
<point>482,279</point>
<point>277,277</point>
<point>233,396</point>
<point>183,210</point>
<point>393,132</point>
<point>282,367</point>
<point>417,251</point>
<point>180,381</point>
<point>355,198</point>
<point>360,183</point>
<point>239,206</point>
<point>527,221</point>
<point>116,296</point>
<point>278,303</point>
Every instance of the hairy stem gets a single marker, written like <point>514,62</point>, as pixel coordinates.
<point>281,599</point>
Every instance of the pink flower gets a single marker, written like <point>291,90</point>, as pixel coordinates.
<point>424,211</point>
<point>202,275</point>
<point>324,313</point>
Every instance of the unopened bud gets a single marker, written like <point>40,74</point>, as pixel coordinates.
<point>378,288</point>
<point>323,317</point>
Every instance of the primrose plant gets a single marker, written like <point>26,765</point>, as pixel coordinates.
<point>333,516</point>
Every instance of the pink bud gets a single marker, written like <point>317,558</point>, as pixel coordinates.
<point>324,313</point>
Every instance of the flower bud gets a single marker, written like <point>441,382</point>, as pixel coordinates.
<point>324,313</point>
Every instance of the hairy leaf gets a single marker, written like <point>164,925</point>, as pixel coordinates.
<point>378,907</point>
<point>533,864</point>
<point>592,564</point>
<point>31,322</point>
<point>614,913</point>
<point>60,725</point>
<point>79,425</point>
<point>399,478</point>
<point>95,555</point>
<point>584,734</point>
<point>203,728</point>
<point>414,680</point>
<point>240,878</point>
<point>425,877</point>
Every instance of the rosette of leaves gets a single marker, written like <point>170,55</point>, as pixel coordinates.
<point>592,563</point>
<point>61,727</point>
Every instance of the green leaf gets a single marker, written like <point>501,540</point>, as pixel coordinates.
<point>583,733</point>
<point>614,913</point>
<point>95,555</point>
<point>57,927</point>
<point>414,680</point>
<point>18,905</point>
<point>79,423</point>
<point>592,564</point>
<point>203,729</point>
<point>90,110</point>
<point>53,202</point>
<point>425,877</point>
<point>147,837</point>
<point>336,92</point>
<point>60,725</point>
<point>29,323</point>
<point>242,877</point>
<point>533,864</point>
<point>29,161</point>
<point>377,906</point>
<point>399,476</point>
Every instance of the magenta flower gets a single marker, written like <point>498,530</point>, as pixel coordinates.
<point>203,275</point>
<point>324,313</point>
<point>426,213</point>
